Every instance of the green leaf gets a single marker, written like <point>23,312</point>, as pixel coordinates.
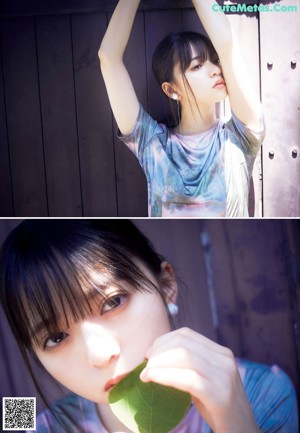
<point>147,407</point>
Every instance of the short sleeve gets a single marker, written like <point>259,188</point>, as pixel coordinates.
<point>146,140</point>
<point>249,140</point>
<point>273,399</point>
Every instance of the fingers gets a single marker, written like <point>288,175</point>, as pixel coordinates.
<point>191,362</point>
<point>185,348</point>
<point>184,379</point>
<point>214,390</point>
<point>187,356</point>
<point>181,336</point>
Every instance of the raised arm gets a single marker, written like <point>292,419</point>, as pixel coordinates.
<point>243,98</point>
<point>121,93</point>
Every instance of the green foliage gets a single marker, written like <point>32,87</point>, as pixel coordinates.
<point>147,407</point>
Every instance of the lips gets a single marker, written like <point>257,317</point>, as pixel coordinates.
<point>111,383</point>
<point>219,82</point>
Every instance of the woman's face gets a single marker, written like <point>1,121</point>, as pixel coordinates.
<point>203,79</point>
<point>110,342</point>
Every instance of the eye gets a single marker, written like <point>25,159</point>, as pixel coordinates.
<point>54,340</point>
<point>217,61</point>
<point>113,302</point>
<point>196,67</point>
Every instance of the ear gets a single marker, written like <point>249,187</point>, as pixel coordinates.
<point>168,282</point>
<point>170,90</point>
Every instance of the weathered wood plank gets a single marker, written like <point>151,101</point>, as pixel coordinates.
<point>6,202</point>
<point>222,285</point>
<point>280,95</point>
<point>254,299</point>
<point>58,112</point>
<point>95,132</point>
<point>23,117</point>
<point>266,293</point>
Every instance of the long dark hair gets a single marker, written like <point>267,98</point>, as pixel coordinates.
<point>45,271</point>
<point>176,49</point>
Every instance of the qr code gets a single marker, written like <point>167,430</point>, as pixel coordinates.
<point>19,413</point>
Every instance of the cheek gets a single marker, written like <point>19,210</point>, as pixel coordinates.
<point>65,370</point>
<point>197,85</point>
<point>50,365</point>
<point>144,322</point>
<point>54,365</point>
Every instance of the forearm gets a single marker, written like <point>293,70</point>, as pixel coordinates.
<point>215,23</point>
<point>118,32</point>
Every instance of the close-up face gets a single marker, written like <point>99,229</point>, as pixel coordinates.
<point>205,80</point>
<point>87,354</point>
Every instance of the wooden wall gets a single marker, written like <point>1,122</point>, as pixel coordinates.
<point>239,283</point>
<point>280,84</point>
<point>59,155</point>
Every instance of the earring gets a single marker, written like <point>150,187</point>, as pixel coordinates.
<point>178,115</point>
<point>173,309</point>
<point>175,97</point>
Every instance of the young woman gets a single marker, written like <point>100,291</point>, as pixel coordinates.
<point>90,300</point>
<point>203,166</point>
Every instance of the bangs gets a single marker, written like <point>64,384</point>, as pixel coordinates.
<point>203,49</point>
<point>54,292</point>
<point>52,283</point>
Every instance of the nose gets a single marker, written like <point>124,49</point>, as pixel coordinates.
<point>101,349</point>
<point>214,69</point>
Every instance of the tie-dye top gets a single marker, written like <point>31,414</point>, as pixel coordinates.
<point>202,175</point>
<point>268,389</point>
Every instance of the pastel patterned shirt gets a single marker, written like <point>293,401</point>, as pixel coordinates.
<point>268,389</point>
<point>202,175</point>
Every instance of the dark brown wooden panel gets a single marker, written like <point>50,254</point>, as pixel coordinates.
<point>266,295</point>
<point>251,271</point>
<point>23,117</point>
<point>58,115</point>
<point>131,181</point>
<point>6,202</point>
<point>94,118</point>
<point>191,22</point>
<point>221,285</point>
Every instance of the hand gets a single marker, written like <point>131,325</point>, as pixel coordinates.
<point>191,362</point>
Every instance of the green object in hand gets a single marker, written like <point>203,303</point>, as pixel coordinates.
<point>147,407</point>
